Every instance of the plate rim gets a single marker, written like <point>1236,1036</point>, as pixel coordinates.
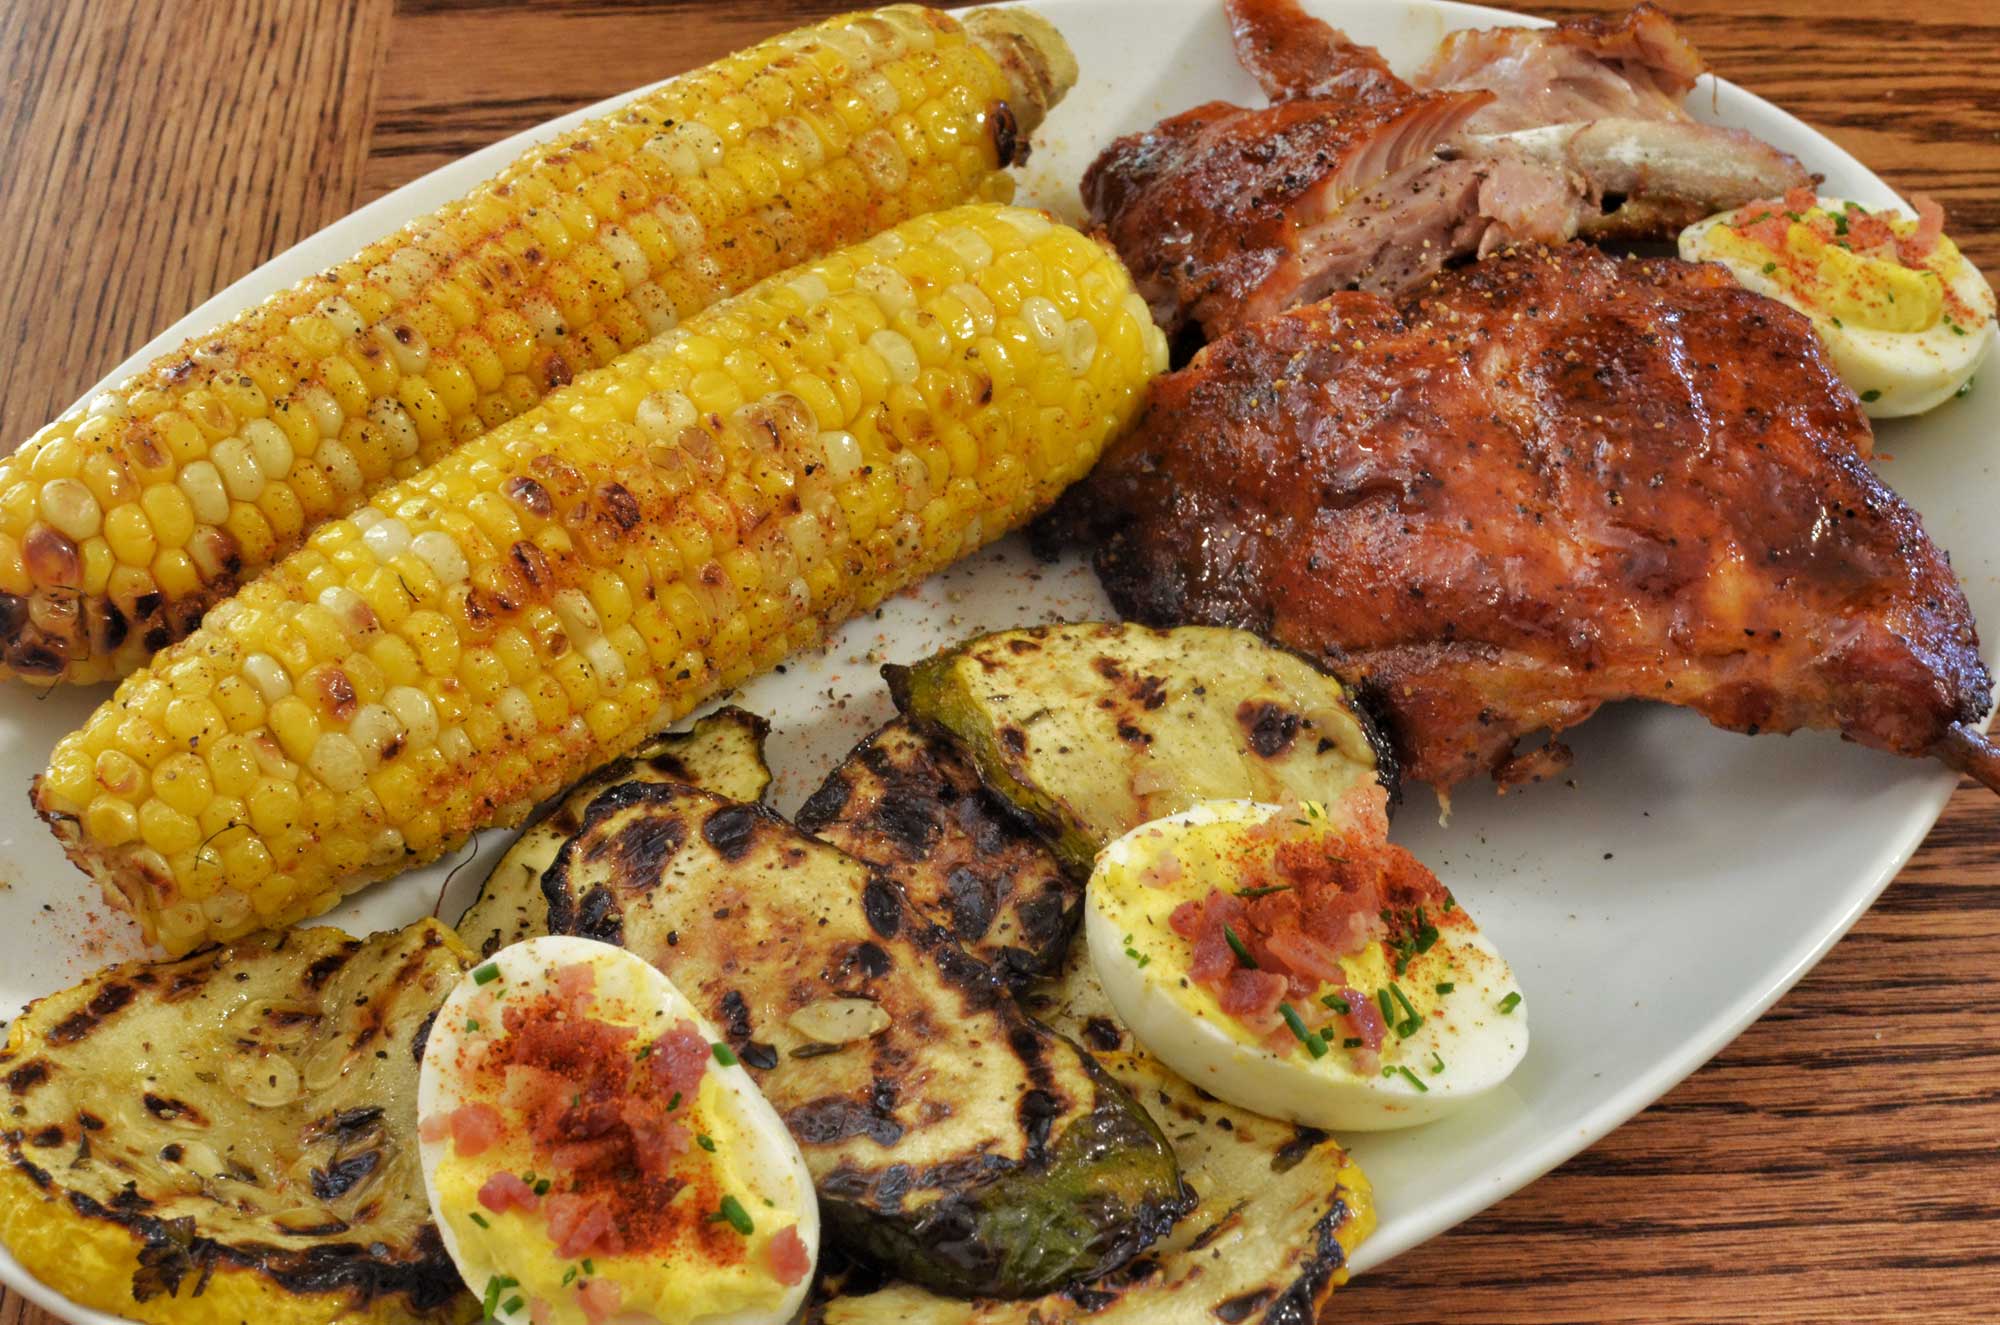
<point>388,213</point>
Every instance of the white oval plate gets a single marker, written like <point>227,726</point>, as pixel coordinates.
<point>1652,909</point>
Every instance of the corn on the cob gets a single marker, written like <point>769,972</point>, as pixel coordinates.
<point>478,635</point>
<point>126,519</point>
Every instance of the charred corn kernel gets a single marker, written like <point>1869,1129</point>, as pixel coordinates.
<point>295,411</point>
<point>601,564</point>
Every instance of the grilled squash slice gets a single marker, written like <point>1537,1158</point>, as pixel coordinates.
<point>1280,1208</point>
<point>230,1136</point>
<point>722,753</point>
<point>1093,729</point>
<point>950,1137</point>
<point>906,800</point>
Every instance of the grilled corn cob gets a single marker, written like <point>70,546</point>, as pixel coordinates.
<point>123,521</point>
<point>479,634</point>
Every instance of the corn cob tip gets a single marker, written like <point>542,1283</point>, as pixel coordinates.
<point>1031,52</point>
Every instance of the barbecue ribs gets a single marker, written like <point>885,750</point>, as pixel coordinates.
<point>1353,179</point>
<point>1547,480</point>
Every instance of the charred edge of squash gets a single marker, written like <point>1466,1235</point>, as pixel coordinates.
<point>166,1255</point>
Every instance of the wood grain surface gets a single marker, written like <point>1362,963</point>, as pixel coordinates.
<point>1839,1162</point>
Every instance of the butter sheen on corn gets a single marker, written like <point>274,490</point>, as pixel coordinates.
<point>123,521</point>
<point>483,632</point>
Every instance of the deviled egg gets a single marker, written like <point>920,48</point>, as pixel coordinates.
<point>593,1151</point>
<point>1289,960</point>
<point>1904,316</point>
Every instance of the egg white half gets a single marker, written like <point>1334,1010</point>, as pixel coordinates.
<point>771,1162</point>
<point>1896,373</point>
<point>1480,1044</point>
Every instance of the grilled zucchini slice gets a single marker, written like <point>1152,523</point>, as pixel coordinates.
<point>949,1136</point>
<point>1280,1209</point>
<point>1093,729</point>
<point>906,800</point>
<point>230,1136</point>
<point>722,753</point>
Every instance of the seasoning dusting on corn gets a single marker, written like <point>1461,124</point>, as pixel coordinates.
<point>481,633</point>
<point>123,521</point>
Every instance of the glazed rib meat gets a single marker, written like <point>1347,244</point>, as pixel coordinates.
<point>1353,179</point>
<point>1548,480</point>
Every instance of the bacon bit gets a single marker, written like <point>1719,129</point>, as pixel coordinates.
<point>1301,954</point>
<point>680,1057</point>
<point>508,1191</point>
<point>790,1261</point>
<point>474,1128</point>
<point>1770,231</point>
<point>658,1144</point>
<point>540,1312</point>
<point>1364,1019</point>
<point>1916,247</point>
<point>1866,234</point>
<point>1213,959</point>
<point>600,1299</point>
<point>1800,198</point>
<point>434,1127</point>
<point>1252,997</point>
<point>1164,872</point>
<point>580,1225</point>
<point>574,984</point>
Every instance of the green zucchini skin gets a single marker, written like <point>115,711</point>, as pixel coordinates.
<point>960,1144</point>
<point>1092,729</point>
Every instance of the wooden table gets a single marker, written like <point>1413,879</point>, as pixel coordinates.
<point>1840,1161</point>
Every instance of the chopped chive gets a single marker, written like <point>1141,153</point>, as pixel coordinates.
<point>1444,986</point>
<point>1411,1017</point>
<point>496,1284</point>
<point>724,1054</point>
<point>1265,892</point>
<point>1388,1008</point>
<point>738,1217</point>
<point>480,1220</point>
<point>1963,391</point>
<point>1312,1042</point>
<point>1838,323</point>
<point>486,975</point>
<point>1871,395</point>
<point>542,1187</point>
<point>1236,946</point>
<point>1840,223</point>
<point>706,1142</point>
<point>1337,1003</point>
<point>512,1305</point>
<point>569,1276</point>
<point>1770,267</point>
<point>1512,1001</point>
<point>1414,1080</point>
<point>1351,1042</point>
<point>1437,1062</point>
<point>1956,330</point>
<point>471,1025</point>
<point>645,1052</point>
<point>1450,902</point>
<point>674,1103</point>
<point>588,1268</point>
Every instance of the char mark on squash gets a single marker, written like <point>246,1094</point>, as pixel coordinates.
<point>731,829</point>
<point>1271,728</point>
